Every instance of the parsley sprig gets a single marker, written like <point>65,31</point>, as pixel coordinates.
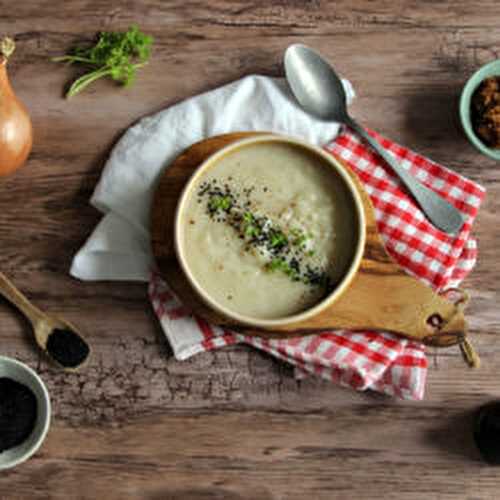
<point>117,55</point>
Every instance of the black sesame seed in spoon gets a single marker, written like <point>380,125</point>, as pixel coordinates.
<point>67,347</point>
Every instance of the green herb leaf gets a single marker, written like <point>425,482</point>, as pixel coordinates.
<point>277,239</point>
<point>116,55</point>
<point>250,225</point>
<point>248,218</point>
<point>276,263</point>
<point>252,230</point>
<point>219,202</point>
<point>280,264</point>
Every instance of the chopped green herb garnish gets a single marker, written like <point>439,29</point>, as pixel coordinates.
<point>219,202</point>
<point>251,230</point>
<point>275,264</point>
<point>250,225</point>
<point>284,251</point>
<point>280,264</point>
<point>277,239</point>
<point>248,218</point>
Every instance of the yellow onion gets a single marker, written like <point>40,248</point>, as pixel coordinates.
<point>16,134</point>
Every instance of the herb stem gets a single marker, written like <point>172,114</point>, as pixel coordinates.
<point>72,59</point>
<point>85,80</point>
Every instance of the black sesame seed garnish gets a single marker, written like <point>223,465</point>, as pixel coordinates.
<point>288,249</point>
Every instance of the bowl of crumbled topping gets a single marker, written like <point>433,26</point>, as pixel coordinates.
<point>480,109</point>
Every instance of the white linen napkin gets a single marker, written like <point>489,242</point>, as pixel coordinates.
<point>119,247</point>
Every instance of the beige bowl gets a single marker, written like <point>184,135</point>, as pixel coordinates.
<point>357,252</point>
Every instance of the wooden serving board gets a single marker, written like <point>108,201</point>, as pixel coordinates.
<point>382,296</point>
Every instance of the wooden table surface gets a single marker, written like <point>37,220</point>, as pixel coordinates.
<point>234,424</point>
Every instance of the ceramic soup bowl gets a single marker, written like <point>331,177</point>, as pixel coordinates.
<point>270,231</point>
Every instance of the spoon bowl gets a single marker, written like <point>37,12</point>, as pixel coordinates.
<point>315,85</point>
<point>46,327</point>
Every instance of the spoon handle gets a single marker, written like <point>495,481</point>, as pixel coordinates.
<point>13,295</point>
<point>439,211</point>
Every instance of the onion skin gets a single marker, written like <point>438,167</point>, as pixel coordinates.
<point>16,132</point>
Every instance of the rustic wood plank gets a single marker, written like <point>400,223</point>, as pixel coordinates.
<point>255,455</point>
<point>234,423</point>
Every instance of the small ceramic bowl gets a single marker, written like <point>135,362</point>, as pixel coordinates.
<point>490,69</point>
<point>25,375</point>
<point>357,252</point>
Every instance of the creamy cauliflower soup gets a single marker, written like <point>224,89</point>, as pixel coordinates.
<point>268,230</point>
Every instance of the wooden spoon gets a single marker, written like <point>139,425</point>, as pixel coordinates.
<point>56,337</point>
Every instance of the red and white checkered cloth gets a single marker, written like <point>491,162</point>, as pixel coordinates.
<point>361,360</point>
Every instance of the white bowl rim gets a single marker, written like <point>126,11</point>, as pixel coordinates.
<point>348,276</point>
<point>42,433</point>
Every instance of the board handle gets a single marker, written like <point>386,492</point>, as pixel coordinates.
<point>385,298</point>
<point>447,334</point>
<point>452,330</point>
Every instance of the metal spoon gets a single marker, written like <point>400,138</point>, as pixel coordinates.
<point>320,92</point>
<point>43,324</point>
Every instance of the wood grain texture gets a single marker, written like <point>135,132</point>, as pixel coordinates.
<point>234,423</point>
<point>402,304</point>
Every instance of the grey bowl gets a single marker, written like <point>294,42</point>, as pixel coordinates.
<point>25,375</point>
